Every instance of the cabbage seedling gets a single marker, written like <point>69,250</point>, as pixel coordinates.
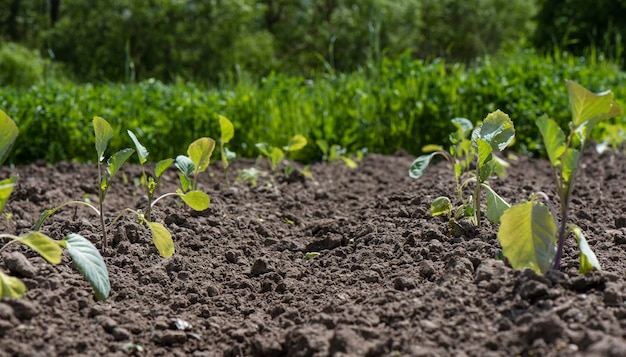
<point>200,151</point>
<point>227,133</point>
<point>335,152</point>
<point>276,155</point>
<point>85,256</point>
<point>494,135</point>
<point>530,235</point>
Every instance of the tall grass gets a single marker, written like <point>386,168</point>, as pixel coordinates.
<point>400,104</point>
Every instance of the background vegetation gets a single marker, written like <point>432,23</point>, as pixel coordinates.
<point>378,74</point>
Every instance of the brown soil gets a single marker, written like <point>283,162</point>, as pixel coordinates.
<point>389,280</point>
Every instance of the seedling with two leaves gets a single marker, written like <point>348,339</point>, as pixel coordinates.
<point>530,234</point>
<point>475,161</point>
<point>227,133</point>
<point>335,152</point>
<point>199,154</point>
<point>85,256</point>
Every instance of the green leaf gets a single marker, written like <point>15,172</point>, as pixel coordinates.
<point>276,156</point>
<point>495,205</point>
<point>142,152</point>
<point>323,145</point>
<point>104,133</point>
<point>588,259</point>
<point>197,200</point>
<point>117,160</point>
<point>497,129</point>
<point>440,206</point>
<point>432,148</point>
<point>349,162</point>
<point>570,164</point>
<point>484,151</point>
<point>89,262</point>
<point>419,165</point>
<point>185,183</point>
<point>6,188</point>
<point>586,105</point>
<point>500,166</point>
<point>47,247</point>
<point>527,234</point>
<point>11,287</point>
<point>264,148</point>
<point>185,165</point>
<point>227,129</point>
<point>8,134</point>
<point>161,166</point>
<point>463,125</point>
<point>297,142</point>
<point>162,239</point>
<point>200,152</point>
<point>553,139</point>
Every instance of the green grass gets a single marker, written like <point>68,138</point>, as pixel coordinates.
<point>401,104</point>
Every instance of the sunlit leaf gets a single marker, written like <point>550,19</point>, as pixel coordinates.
<point>117,160</point>
<point>162,239</point>
<point>297,142</point>
<point>197,200</point>
<point>553,139</point>
<point>495,205</point>
<point>142,152</point>
<point>47,247</point>
<point>6,188</point>
<point>103,132</point>
<point>162,165</point>
<point>586,105</point>
<point>588,259</point>
<point>570,163</point>
<point>89,262</point>
<point>497,129</point>
<point>528,236</point>
<point>419,165</point>
<point>349,162</point>
<point>323,145</point>
<point>440,206</point>
<point>463,124</point>
<point>11,287</point>
<point>185,183</point>
<point>431,148</point>
<point>226,128</point>
<point>200,152</point>
<point>8,134</point>
<point>276,156</point>
<point>264,148</point>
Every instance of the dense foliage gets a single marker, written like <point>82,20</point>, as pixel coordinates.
<point>199,40</point>
<point>402,104</point>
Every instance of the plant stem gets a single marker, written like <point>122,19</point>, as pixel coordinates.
<point>163,196</point>
<point>101,194</point>
<point>52,211</point>
<point>477,196</point>
<point>14,239</point>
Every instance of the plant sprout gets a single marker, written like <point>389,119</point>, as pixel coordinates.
<point>227,133</point>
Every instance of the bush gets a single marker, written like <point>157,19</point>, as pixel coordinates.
<point>19,66</point>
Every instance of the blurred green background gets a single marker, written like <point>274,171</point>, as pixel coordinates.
<point>378,74</point>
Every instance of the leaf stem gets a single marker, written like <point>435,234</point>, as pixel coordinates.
<point>47,213</point>
<point>163,196</point>
<point>14,239</point>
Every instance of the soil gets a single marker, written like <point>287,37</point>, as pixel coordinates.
<point>389,280</point>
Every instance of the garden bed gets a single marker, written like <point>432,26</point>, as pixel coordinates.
<point>389,279</point>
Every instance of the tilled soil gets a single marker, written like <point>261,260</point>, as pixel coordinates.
<point>389,280</point>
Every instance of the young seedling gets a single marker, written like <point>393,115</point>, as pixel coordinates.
<point>528,232</point>
<point>227,133</point>
<point>85,256</point>
<point>103,134</point>
<point>335,152</point>
<point>199,153</point>
<point>276,155</point>
<point>493,135</point>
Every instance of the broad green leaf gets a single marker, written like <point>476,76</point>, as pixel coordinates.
<point>47,247</point>
<point>162,239</point>
<point>570,164</point>
<point>323,145</point>
<point>527,234</point>
<point>440,206</point>
<point>349,162</point>
<point>419,165</point>
<point>11,287</point>
<point>334,153</point>
<point>484,151</point>
<point>142,152</point>
<point>197,200</point>
<point>497,129</point>
<point>117,160</point>
<point>553,139</point>
<point>6,188</point>
<point>463,125</point>
<point>161,166</point>
<point>495,205</point>
<point>8,134</point>
<point>276,156</point>
<point>185,183</point>
<point>432,148</point>
<point>185,165</point>
<point>200,152</point>
<point>586,105</point>
<point>227,129</point>
<point>588,259</point>
<point>104,133</point>
<point>297,142</point>
<point>89,262</point>
<point>264,148</point>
